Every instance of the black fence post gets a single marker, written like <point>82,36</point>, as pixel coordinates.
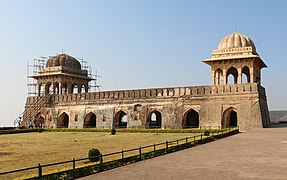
<point>154,150</point>
<point>140,152</point>
<point>201,137</point>
<point>40,172</point>
<point>74,168</point>
<point>186,140</point>
<point>177,148</point>
<point>122,157</point>
<point>166,147</point>
<point>101,162</point>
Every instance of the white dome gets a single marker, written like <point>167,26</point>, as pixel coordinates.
<point>235,40</point>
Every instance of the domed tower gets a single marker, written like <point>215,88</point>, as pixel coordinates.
<point>235,56</point>
<point>62,75</point>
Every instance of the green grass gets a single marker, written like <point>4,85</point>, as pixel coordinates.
<point>29,149</point>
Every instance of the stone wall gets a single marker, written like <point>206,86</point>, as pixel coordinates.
<point>212,103</point>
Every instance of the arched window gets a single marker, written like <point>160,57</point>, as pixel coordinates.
<point>120,120</point>
<point>63,121</point>
<point>154,120</point>
<point>56,88</point>
<point>48,88</point>
<point>191,119</point>
<point>229,118</point>
<point>245,75</point>
<point>75,89</point>
<point>83,90</point>
<point>90,120</point>
<point>232,75</point>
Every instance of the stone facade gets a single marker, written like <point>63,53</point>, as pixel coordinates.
<point>242,104</point>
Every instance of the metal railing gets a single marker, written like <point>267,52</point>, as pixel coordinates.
<point>126,156</point>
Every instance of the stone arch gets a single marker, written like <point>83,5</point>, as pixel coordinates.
<point>39,120</point>
<point>230,118</point>
<point>90,120</point>
<point>63,121</point>
<point>75,89</point>
<point>56,88</point>
<point>232,71</point>
<point>218,76</point>
<point>190,119</point>
<point>154,119</point>
<point>48,88</point>
<point>245,74</point>
<point>120,120</point>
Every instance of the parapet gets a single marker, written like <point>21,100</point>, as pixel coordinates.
<point>194,91</point>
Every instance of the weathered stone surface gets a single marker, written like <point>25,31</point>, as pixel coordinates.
<point>242,104</point>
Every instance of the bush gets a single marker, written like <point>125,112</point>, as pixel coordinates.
<point>206,133</point>
<point>94,155</point>
<point>40,130</point>
<point>113,131</point>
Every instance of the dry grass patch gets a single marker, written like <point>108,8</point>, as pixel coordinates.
<point>29,149</point>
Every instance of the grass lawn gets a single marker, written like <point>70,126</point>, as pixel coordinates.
<point>29,149</point>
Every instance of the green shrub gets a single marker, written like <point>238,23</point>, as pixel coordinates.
<point>40,130</point>
<point>113,131</point>
<point>206,133</point>
<point>94,155</point>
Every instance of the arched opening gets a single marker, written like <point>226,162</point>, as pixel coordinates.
<point>229,118</point>
<point>39,121</point>
<point>245,75</point>
<point>48,88</point>
<point>75,89</point>
<point>63,121</point>
<point>154,120</point>
<point>90,120</point>
<point>83,90</point>
<point>232,76</point>
<point>40,89</point>
<point>233,119</point>
<point>56,88</point>
<point>191,119</point>
<point>120,120</point>
<point>218,77</point>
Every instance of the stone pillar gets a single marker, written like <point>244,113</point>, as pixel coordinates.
<point>212,77</point>
<point>86,88</point>
<point>60,88</point>
<point>239,76</point>
<point>38,89</point>
<point>252,75</point>
<point>70,88</point>
<point>224,77</point>
<point>79,89</point>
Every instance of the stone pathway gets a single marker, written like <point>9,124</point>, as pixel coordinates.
<point>257,154</point>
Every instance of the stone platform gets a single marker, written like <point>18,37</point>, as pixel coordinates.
<point>256,154</point>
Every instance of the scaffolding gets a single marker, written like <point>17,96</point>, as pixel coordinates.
<point>39,63</point>
<point>32,71</point>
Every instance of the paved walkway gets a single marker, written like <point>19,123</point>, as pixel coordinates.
<point>257,154</point>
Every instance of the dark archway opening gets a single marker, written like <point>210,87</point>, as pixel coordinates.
<point>191,119</point>
<point>233,119</point>
<point>63,121</point>
<point>154,120</point>
<point>90,120</point>
<point>120,120</point>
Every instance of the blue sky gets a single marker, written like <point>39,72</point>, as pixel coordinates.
<point>137,43</point>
